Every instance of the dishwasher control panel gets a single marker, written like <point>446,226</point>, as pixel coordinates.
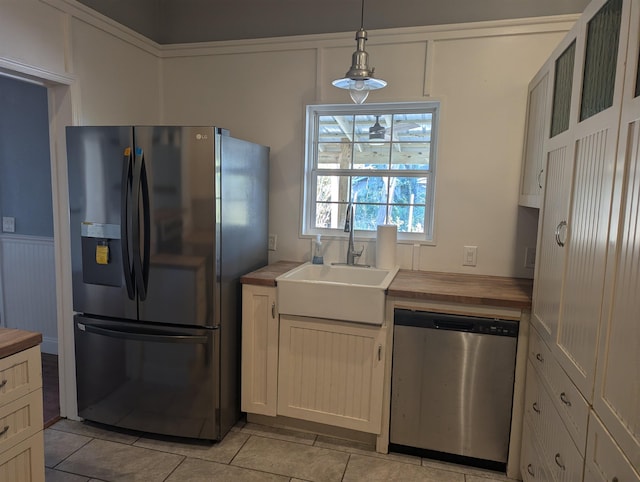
<point>444,321</point>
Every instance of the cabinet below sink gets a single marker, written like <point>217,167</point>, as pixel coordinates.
<point>319,370</point>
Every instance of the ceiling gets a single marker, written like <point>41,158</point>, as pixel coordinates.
<point>187,21</point>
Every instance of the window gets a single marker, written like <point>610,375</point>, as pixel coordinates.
<point>381,158</point>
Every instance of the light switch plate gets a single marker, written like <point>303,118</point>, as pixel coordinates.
<point>8,224</point>
<point>273,242</point>
<point>470,256</point>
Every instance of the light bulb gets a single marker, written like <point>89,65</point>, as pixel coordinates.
<point>358,91</point>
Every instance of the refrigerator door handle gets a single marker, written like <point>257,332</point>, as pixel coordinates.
<point>147,337</point>
<point>144,182</point>
<point>141,191</point>
<point>124,222</point>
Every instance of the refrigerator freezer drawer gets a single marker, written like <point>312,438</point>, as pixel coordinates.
<point>147,378</point>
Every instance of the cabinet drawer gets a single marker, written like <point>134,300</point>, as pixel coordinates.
<point>532,466</point>
<point>540,355</point>
<point>571,405</point>
<point>20,374</point>
<point>557,448</point>
<point>20,419</point>
<point>605,461</point>
<point>24,462</point>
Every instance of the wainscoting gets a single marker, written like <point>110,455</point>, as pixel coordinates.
<point>27,287</point>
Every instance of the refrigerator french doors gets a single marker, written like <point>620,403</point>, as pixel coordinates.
<point>164,220</point>
<point>142,216</point>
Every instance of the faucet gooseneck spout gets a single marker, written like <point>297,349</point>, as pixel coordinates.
<point>352,254</point>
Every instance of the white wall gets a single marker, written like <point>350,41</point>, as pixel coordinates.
<point>99,72</point>
<point>480,72</point>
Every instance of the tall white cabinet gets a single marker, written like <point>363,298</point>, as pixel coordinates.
<point>582,414</point>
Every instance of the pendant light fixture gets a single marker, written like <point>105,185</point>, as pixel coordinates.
<point>376,131</point>
<point>359,78</point>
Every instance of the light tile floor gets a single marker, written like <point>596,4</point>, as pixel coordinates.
<point>79,452</point>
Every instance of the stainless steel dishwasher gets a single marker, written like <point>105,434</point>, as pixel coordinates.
<point>452,385</point>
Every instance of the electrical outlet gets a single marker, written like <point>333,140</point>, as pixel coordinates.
<point>470,256</point>
<point>273,242</point>
<point>8,224</point>
<point>530,257</point>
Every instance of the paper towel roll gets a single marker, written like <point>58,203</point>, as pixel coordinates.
<point>386,237</point>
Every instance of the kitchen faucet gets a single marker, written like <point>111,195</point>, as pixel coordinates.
<point>352,254</point>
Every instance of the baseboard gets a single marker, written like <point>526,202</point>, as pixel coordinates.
<point>49,345</point>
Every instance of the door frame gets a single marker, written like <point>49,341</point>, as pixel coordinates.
<point>62,111</point>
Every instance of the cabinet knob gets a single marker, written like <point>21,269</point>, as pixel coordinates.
<point>3,383</point>
<point>535,407</point>
<point>379,352</point>
<point>559,463</point>
<point>539,357</point>
<point>273,310</point>
<point>4,430</point>
<point>530,470</point>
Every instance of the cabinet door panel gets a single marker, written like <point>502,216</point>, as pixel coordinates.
<point>617,391</point>
<point>604,460</point>
<point>535,134</point>
<point>331,372</point>
<point>586,257</point>
<point>259,350</point>
<point>605,23</point>
<point>548,279</point>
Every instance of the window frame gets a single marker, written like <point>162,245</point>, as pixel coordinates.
<point>309,188</point>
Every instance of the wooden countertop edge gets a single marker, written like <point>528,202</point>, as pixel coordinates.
<point>465,300</point>
<point>425,286</point>
<point>266,276</point>
<point>13,341</point>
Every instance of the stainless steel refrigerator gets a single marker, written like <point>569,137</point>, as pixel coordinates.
<point>164,221</point>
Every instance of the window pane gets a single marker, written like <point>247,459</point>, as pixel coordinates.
<point>408,190</point>
<point>338,128</point>
<point>412,127</point>
<point>600,59</point>
<point>368,216</point>
<point>411,155</point>
<point>334,156</point>
<point>369,156</point>
<point>329,215</point>
<point>409,219</point>
<point>562,90</point>
<point>332,188</point>
<point>369,189</point>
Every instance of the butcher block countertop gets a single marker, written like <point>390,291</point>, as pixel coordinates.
<point>13,341</point>
<point>470,289</point>
<point>431,286</point>
<point>267,276</point>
